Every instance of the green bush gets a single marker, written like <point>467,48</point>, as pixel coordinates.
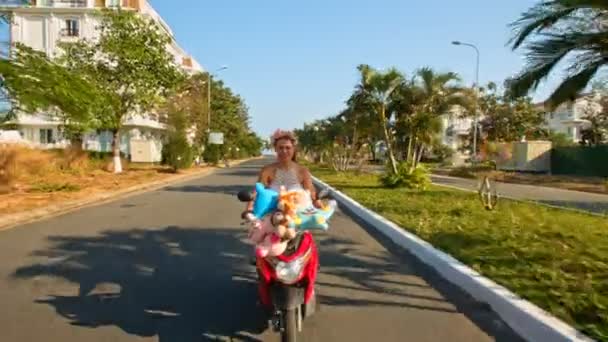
<point>418,178</point>
<point>97,155</point>
<point>560,139</point>
<point>54,187</point>
<point>580,160</point>
<point>443,153</point>
<point>472,171</point>
<point>212,154</point>
<point>177,152</point>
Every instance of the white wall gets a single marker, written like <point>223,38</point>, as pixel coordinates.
<point>43,30</point>
<point>568,118</point>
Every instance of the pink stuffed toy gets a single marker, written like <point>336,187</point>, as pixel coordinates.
<point>266,239</point>
<point>272,233</point>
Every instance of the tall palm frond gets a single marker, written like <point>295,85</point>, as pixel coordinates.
<point>552,31</point>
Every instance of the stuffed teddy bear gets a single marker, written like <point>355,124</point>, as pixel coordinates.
<point>287,211</point>
<point>268,242</point>
<point>268,230</point>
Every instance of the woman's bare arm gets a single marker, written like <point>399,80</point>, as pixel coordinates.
<point>264,178</point>
<point>307,184</point>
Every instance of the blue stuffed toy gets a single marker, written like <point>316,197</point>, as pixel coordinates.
<point>314,218</point>
<point>266,201</point>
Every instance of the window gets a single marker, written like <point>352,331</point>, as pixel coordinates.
<point>46,136</point>
<point>71,28</point>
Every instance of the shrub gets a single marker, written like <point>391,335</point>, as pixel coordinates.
<point>35,162</point>
<point>473,171</point>
<point>54,187</point>
<point>443,153</point>
<point>212,154</point>
<point>177,152</point>
<point>74,159</point>
<point>406,177</point>
<point>8,168</point>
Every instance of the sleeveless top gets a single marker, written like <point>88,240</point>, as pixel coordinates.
<point>290,180</point>
<point>287,178</point>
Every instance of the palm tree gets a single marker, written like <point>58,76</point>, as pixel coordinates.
<point>422,102</point>
<point>553,30</point>
<point>377,89</point>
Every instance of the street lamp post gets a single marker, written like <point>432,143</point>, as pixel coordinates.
<point>476,97</point>
<point>209,98</point>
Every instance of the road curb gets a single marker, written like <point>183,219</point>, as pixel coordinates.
<point>13,220</point>
<point>528,320</point>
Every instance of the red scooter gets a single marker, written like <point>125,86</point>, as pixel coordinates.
<point>286,283</point>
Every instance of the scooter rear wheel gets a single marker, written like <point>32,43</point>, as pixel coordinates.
<point>290,330</point>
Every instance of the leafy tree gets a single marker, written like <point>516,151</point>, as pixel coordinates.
<point>553,31</point>
<point>560,139</point>
<point>230,115</point>
<point>365,128</point>
<point>507,118</point>
<point>130,63</point>
<point>597,131</point>
<point>377,88</point>
<point>177,152</point>
<point>34,83</point>
<point>423,102</point>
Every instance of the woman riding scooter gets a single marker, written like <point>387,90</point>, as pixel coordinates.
<point>286,171</point>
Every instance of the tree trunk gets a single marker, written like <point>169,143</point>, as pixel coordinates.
<point>387,140</point>
<point>116,150</point>
<point>414,154</point>
<point>420,152</point>
<point>355,149</point>
<point>409,148</point>
<point>372,149</point>
<point>76,142</point>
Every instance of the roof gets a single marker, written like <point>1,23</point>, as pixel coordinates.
<point>543,104</point>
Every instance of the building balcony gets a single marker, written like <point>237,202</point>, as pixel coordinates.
<point>67,3</point>
<point>132,4</point>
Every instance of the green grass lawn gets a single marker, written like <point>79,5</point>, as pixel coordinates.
<point>556,259</point>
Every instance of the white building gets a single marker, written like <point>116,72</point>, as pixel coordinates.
<point>568,118</point>
<point>455,129</point>
<point>42,24</point>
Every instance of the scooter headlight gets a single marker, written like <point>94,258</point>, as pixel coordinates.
<point>289,272</point>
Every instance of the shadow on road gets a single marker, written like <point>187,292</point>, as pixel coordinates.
<point>174,283</point>
<point>213,189</point>
<point>187,284</point>
<point>243,171</point>
<point>374,276</point>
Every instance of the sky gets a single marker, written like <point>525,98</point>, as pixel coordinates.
<point>294,62</point>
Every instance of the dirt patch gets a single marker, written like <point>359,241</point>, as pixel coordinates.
<point>33,179</point>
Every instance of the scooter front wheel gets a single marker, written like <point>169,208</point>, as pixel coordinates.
<point>290,330</point>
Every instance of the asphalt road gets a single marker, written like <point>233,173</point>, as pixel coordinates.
<point>171,266</point>
<point>585,201</point>
<point>595,203</point>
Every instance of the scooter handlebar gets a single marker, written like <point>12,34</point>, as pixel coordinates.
<point>245,196</point>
